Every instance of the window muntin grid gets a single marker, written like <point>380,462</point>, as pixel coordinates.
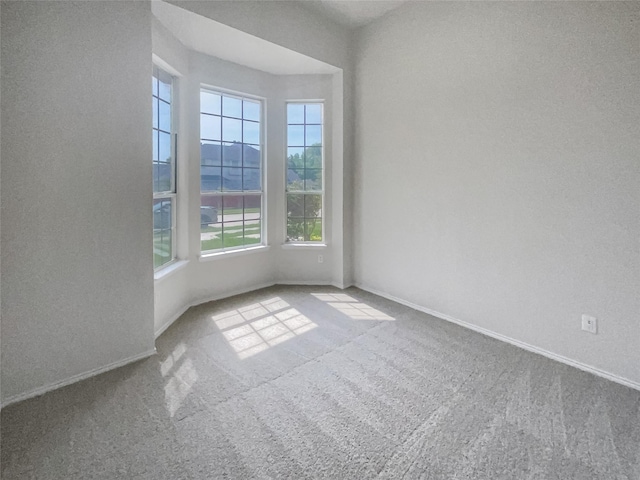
<point>305,172</point>
<point>163,175</point>
<point>230,171</point>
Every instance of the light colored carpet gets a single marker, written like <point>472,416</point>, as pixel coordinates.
<point>312,382</point>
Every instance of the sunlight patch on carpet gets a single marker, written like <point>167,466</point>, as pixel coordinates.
<point>181,376</point>
<point>351,307</point>
<point>255,328</point>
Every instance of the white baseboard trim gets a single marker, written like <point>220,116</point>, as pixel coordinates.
<point>498,336</point>
<point>36,392</point>
<point>213,298</point>
<point>171,320</point>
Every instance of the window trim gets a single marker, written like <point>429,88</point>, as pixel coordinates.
<point>204,255</point>
<point>305,243</point>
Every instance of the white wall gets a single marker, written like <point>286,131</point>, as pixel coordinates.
<point>77,290</point>
<point>497,170</point>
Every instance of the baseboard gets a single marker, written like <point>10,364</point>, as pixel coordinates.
<point>498,336</point>
<point>304,282</point>
<point>36,392</point>
<point>213,298</point>
<point>171,320</point>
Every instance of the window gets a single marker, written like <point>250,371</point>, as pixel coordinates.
<point>230,172</point>
<point>305,186</point>
<point>164,178</point>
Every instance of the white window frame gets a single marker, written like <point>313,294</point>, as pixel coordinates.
<point>237,193</point>
<point>310,243</point>
<point>170,194</point>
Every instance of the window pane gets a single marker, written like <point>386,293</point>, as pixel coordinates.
<point>210,211</point>
<point>154,82</point>
<point>252,206</point>
<point>164,85</point>
<point>295,229</point>
<point>161,214</point>
<point>313,230</point>
<point>295,205</point>
<point>211,153</point>
<point>231,178</point>
<point>231,130</point>
<point>295,157</point>
<point>210,222</point>
<point>295,113</point>
<point>155,112</point>
<point>232,208</point>
<point>210,127</point>
<point>252,219</point>
<point>251,132</point>
<point>164,152</point>
<point>156,177</point>
<point>161,247</point>
<point>231,107</point>
<point>251,179</point>
<point>295,179</point>
<point>313,135</point>
<point>313,113</point>
<point>154,140</point>
<point>210,102</point>
<point>312,179</point>
<point>164,177</point>
<point>313,157</point>
<point>232,234</point>
<point>251,156</point>
<point>251,110</point>
<point>164,116</point>
<point>295,135</point>
<point>232,155</point>
<point>162,232</point>
<point>312,206</point>
<point>210,179</point>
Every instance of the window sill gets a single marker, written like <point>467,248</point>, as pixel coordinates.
<point>233,253</point>
<point>169,269</point>
<point>303,246</point>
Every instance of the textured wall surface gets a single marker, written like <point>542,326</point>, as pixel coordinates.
<point>497,170</point>
<point>77,290</point>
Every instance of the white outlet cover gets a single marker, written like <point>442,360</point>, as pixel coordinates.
<point>589,324</point>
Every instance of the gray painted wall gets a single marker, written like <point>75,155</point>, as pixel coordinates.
<point>77,290</point>
<point>497,170</point>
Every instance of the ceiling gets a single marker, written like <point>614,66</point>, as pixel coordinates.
<point>353,13</point>
<point>218,40</point>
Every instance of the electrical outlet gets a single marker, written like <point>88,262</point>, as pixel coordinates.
<point>320,259</point>
<point>589,324</point>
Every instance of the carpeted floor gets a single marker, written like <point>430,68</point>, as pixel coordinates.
<point>313,382</point>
